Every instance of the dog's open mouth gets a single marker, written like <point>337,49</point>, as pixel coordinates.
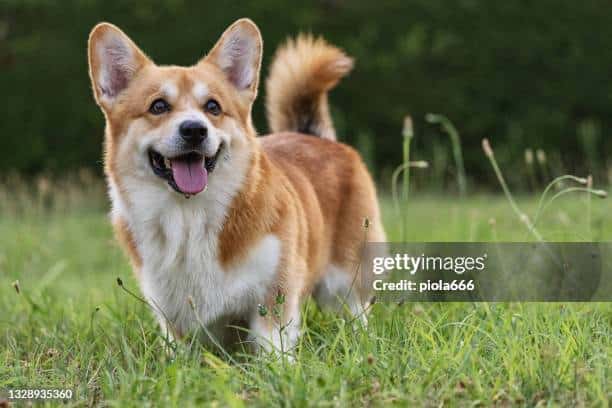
<point>186,174</point>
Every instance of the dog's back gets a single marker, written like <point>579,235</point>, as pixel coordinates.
<point>303,145</point>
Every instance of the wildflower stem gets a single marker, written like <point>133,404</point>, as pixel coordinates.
<point>598,193</point>
<point>521,215</point>
<point>451,130</point>
<point>402,168</point>
<point>407,133</point>
<point>550,185</point>
<point>589,185</point>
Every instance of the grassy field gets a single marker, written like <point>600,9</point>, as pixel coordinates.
<point>72,326</point>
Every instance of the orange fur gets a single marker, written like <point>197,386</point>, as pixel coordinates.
<point>125,237</point>
<point>302,72</point>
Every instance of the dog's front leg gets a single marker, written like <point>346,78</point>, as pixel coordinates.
<point>275,325</point>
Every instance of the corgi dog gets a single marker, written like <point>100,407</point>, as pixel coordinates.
<point>219,223</point>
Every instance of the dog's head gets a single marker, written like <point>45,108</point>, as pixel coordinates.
<point>169,124</point>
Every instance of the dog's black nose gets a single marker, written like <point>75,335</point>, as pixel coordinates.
<point>193,131</point>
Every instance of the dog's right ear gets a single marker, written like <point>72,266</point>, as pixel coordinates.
<point>114,60</point>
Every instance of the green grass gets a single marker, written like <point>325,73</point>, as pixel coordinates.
<point>72,326</point>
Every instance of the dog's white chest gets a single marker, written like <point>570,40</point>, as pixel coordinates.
<point>195,282</point>
<point>183,279</point>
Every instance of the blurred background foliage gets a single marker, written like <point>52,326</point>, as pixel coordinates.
<point>525,74</point>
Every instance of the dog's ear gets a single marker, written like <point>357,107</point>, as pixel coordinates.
<point>238,54</point>
<point>114,60</point>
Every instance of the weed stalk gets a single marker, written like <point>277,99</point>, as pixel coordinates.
<point>408,134</point>
<point>597,193</point>
<point>521,215</point>
<point>451,130</point>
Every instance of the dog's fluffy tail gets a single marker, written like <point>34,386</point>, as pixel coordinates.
<point>303,70</point>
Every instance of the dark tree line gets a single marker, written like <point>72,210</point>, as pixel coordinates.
<point>523,73</point>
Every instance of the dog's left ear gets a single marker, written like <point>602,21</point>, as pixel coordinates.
<point>238,54</point>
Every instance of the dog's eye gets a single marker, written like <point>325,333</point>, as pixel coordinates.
<point>159,106</point>
<point>212,107</point>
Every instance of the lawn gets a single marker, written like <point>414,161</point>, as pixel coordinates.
<point>72,326</point>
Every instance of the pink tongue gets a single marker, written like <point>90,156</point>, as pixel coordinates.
<point>189,175</point>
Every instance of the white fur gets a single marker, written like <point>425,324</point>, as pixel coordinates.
<point>199,91</point>
<point>338,289</point>
<point>269,336</point>
<point>170,90</point>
